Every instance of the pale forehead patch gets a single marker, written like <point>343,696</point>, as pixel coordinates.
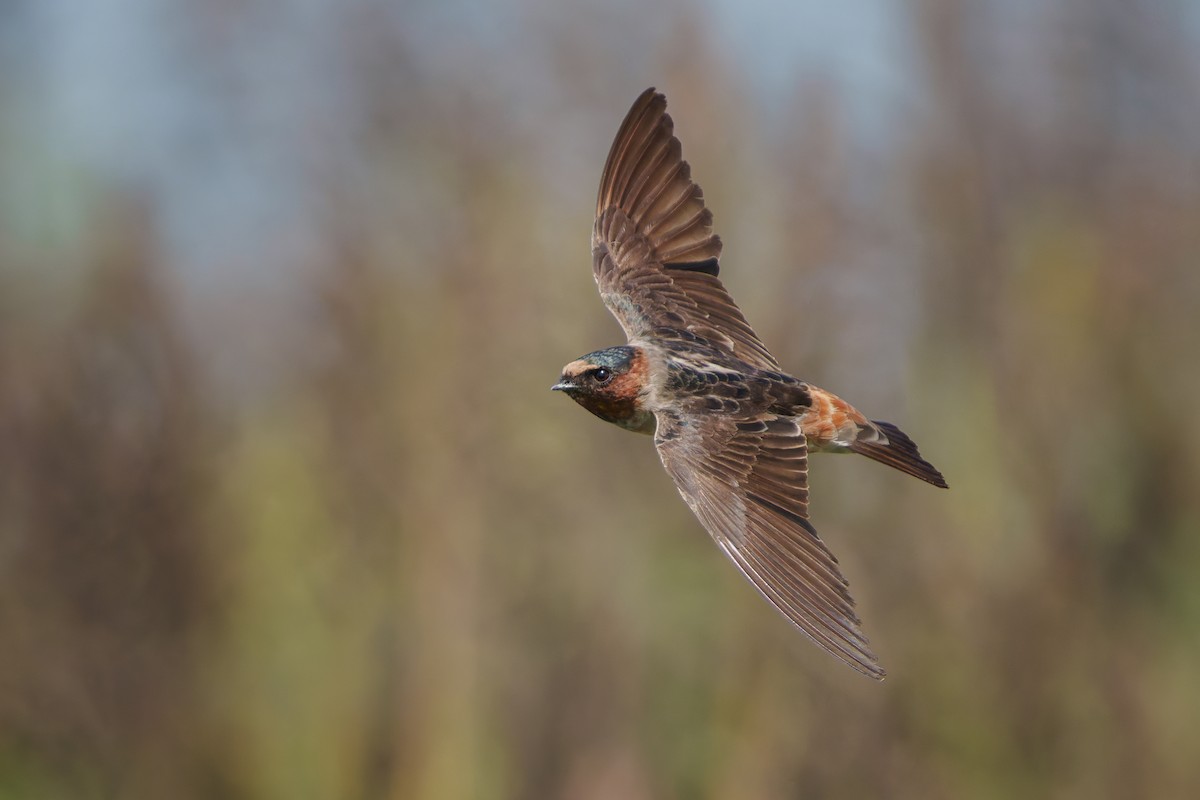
<point>576,367</point>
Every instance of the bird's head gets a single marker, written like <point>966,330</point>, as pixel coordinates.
<point>610,383</point>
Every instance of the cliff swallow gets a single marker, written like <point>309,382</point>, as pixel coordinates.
<point>732,428</point>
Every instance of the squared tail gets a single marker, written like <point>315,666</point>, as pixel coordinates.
<point>900,452</point>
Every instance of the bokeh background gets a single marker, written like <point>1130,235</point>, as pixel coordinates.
<point>288,511</point>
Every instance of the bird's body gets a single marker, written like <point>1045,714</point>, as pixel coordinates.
<point>732,428</point>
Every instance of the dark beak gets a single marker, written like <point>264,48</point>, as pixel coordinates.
<point>562,386</point>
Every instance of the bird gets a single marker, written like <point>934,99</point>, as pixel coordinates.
<point>732,429</point>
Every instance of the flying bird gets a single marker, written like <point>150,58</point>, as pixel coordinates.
<point>732,428</point>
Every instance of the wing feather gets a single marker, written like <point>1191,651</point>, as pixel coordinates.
<point>747,482</point>
<point>655,256</point>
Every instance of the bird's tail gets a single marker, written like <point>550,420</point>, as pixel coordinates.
<point>899,452</point>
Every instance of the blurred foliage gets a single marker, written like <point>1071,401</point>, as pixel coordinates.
<point>382,560</point>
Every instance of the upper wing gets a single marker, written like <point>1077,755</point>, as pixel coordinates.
<point>746,480</point>
<point>654,253</point>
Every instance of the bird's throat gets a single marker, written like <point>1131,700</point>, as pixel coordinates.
<point>625,411</point>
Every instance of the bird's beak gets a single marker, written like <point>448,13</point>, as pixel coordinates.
<point>562,386</point>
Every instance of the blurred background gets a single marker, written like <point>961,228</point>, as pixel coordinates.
<point>287,509</point>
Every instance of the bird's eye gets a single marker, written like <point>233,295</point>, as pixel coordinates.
<point>602,375</point>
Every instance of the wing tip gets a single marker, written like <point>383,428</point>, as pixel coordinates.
<point>860,658</point>
<point>653,186</point>
<point>872,669</point>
